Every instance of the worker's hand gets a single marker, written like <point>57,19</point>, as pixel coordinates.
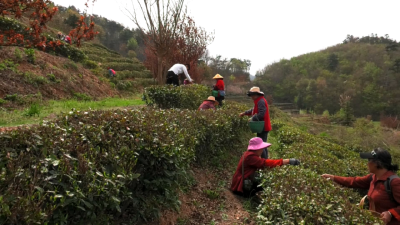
<point>241,114</point>
<point>327,176</point>
<point>294,162</point>
<point>386,217</point>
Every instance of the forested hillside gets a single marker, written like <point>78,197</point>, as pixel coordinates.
<point>113,35</point>
<point>365,71</point>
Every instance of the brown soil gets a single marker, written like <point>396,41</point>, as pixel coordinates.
<point>73,78</point>
<point>198,208</point>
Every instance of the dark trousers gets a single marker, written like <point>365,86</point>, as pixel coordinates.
<point>219,100</point>
<point>252,192</point>
<point>264,136</point>
<point>172,78</point>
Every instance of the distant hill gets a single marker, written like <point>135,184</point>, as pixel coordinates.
<point>252,78</point>
<point>367,69</point>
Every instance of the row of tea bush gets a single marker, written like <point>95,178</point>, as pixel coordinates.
<point>298,195</point>
<point>102,166</point>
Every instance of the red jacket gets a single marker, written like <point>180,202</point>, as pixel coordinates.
<point>252,163</point>
<point>220,85</point>
<point>207,105</point>
<point>377,192</point>
<point>265,117</point>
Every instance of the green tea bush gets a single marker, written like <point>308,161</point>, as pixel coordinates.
<point>298,195</point>
<point>91,166</point>
<point>168,96</point>
<point>30,54</point>
<point>124,85</point>
<point>118,66</point>
<point>294,195</point>
<point>33,110</point>
<point>18,55</point>
<point>90,64</point>
<point>134,74</point>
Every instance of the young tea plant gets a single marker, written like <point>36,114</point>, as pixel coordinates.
<point>33,110</point>
<point>18,55</point>
<point>30,54</point>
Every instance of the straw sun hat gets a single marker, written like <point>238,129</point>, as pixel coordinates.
<point>255,90</point>
<point>218,77</point>
<point>211,98</point>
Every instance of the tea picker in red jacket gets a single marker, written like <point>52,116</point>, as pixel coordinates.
<point>260,112</point>
<point>382,183</point>
<point>209,103</point>
<point>245,182</point>
<point>220,87</point>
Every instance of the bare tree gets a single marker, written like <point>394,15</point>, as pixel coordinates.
<point>162,18</point>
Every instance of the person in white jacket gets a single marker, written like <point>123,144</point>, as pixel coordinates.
<point>175,71</point>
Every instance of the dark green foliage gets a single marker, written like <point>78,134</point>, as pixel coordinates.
<point>299,193</point>
<point>33,110</point>
<point>13,97</point>
<point>362,69</point>
<point>90,166</point>
<point>53,78</point>
<point>332,62</point>
<point>2,101</point>
<point>72,20</point>
<point>124,85</point>
<point>30,54</point>
<point>168,96</point>
<point>90,64</point>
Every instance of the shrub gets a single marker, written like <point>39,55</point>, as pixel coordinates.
<point>71,65</point>
<point>326,113</point>
<point>2,101</point>
<point>33,110</point>
<point>53,78</point>
<point>13,97</point>
<point>82,97</point>
<point>90,166</point>
<point>18,55</point>
<point>124,85</point>
<point>294,194</point>
<point>186,97</point>
<point>30,53</point>
<point>39,80</point>
<point>90,64</point>
<point>391,122</point>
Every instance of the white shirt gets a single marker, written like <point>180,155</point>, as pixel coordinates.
<point>179,69</point>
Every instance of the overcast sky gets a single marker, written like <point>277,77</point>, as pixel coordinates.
<point>266,31</point>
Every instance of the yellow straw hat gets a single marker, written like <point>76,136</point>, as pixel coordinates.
<point>211,98</point>
<point>218,77</point>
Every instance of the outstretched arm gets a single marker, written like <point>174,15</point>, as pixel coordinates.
<point>187,74</point>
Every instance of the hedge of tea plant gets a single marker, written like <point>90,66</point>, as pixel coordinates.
<point>103,166</point>
<point>298,195</point>
<point>168,96</point>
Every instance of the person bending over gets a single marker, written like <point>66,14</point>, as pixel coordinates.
<point>175,71</point>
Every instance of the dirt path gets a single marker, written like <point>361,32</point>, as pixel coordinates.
<point>210,202</point>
